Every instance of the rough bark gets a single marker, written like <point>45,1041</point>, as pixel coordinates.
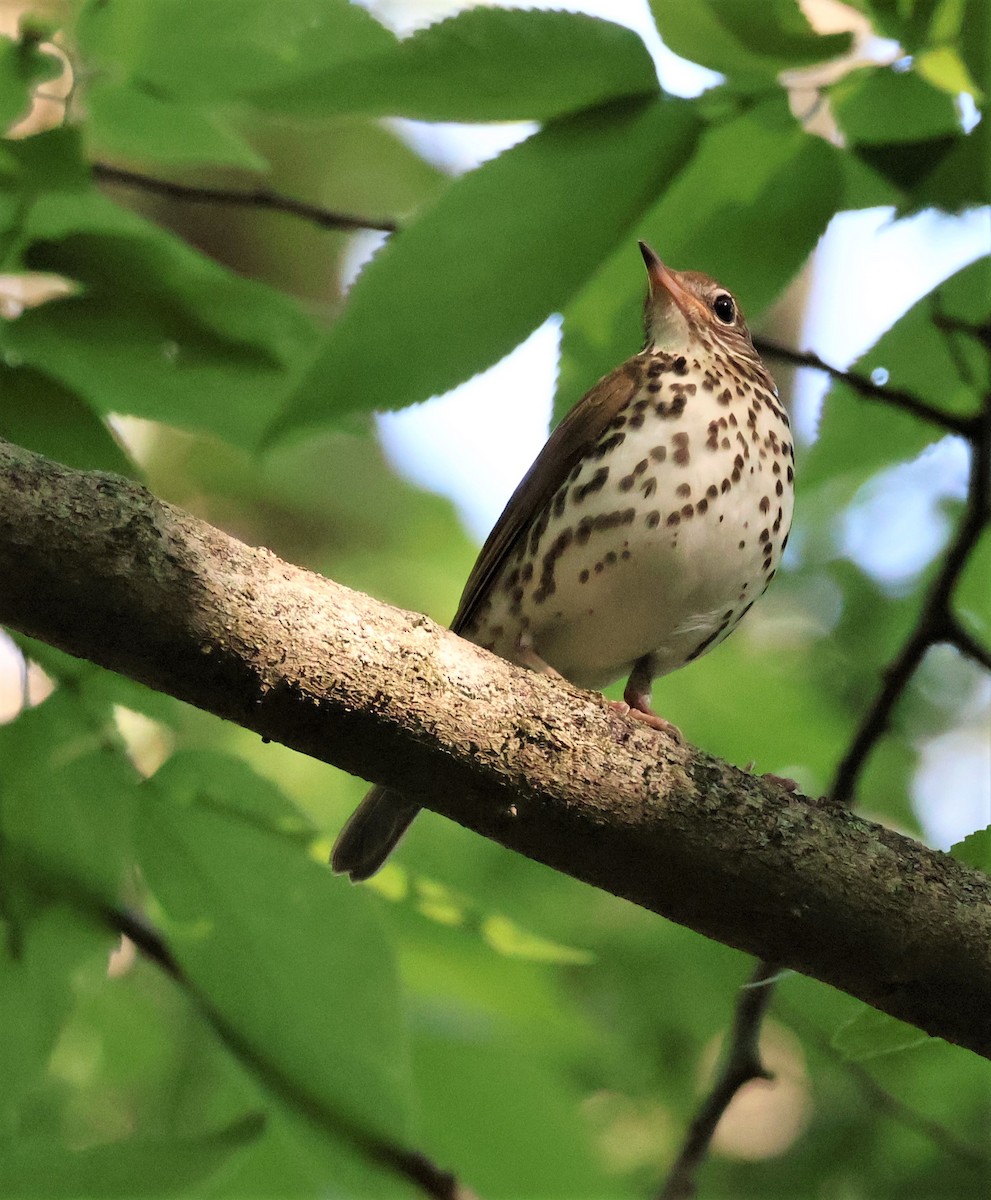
<point>98,566</point>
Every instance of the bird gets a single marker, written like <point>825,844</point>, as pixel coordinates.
<point>654,516</point>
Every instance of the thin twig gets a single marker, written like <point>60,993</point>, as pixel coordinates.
<point>968,645</point>
<point>263,198</point>
<point>936,621</point>
<point>741,1063</point>
<point>867,388</point>
<point>981,332</point>
<point>145,938</point>
<point>408,1164</point>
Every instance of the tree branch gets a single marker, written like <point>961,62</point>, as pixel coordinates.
<point>263,198</point>
<point>98,566</point>
<point>868,389</point>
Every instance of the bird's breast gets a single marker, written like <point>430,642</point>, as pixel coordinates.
<point>660,538</point>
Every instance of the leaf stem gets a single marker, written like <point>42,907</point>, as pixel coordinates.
<point>868,389</point>
<point>261,198</point>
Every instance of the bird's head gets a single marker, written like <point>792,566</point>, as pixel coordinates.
<point>686,311</point>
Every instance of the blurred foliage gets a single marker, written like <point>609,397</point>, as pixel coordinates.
<point>537,1037</point>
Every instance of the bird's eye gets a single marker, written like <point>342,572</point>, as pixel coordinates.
<point>724,308</point>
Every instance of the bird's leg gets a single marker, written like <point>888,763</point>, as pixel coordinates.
<point>527,656</point>
<point>636,699</point>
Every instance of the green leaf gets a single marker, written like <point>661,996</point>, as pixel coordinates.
<point>226,784</point>
<point>132,121</point>
<point>485,64</point>
<point>879,106</point>
<point>23,65</point>
<point>959,179</point>
<point>871,1033</point>
<point>481,1095</point>
<point>857,439</point>
<point>756,180</point>
<point>52,161</point>
<point>158,330</point>
<point>41,414</point>
<point>447,907</point>
<point>37,1167</point>
<point>223,49</point>
<point>912,24</point>
<point>972,598</point>
<point>94,689</point>
<point>321,1020</point>
<point>975,850</point>
<point>749,43</point>
<point>162,75</point>
<point>909,131</point>
<point>38,959</point>
<point>505,246</point>
<point>68,822</point>
<point>975,44</point>
<point>506,937</point>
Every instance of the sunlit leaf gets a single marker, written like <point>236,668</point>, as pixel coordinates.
<point>133,121</point>
<point>750,44</point>
<point>485,64</point>
<point>507,938</point>
<point>975,850</point>
<point>944,68</point>
<point>224,49</point>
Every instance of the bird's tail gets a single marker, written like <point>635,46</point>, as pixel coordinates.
<point>372,833</point>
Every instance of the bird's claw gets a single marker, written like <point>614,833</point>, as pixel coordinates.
<point>650,719</point>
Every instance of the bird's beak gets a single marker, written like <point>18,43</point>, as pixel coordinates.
<point>660,278</point>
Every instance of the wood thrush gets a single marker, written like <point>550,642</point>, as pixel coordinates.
<point>652,519</point>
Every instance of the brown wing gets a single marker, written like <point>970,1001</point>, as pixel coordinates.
<point>580,429</point>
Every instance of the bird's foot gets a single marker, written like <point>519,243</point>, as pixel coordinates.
<point>790,785</point>
<point>648,718</point>
<point>782,781</point>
